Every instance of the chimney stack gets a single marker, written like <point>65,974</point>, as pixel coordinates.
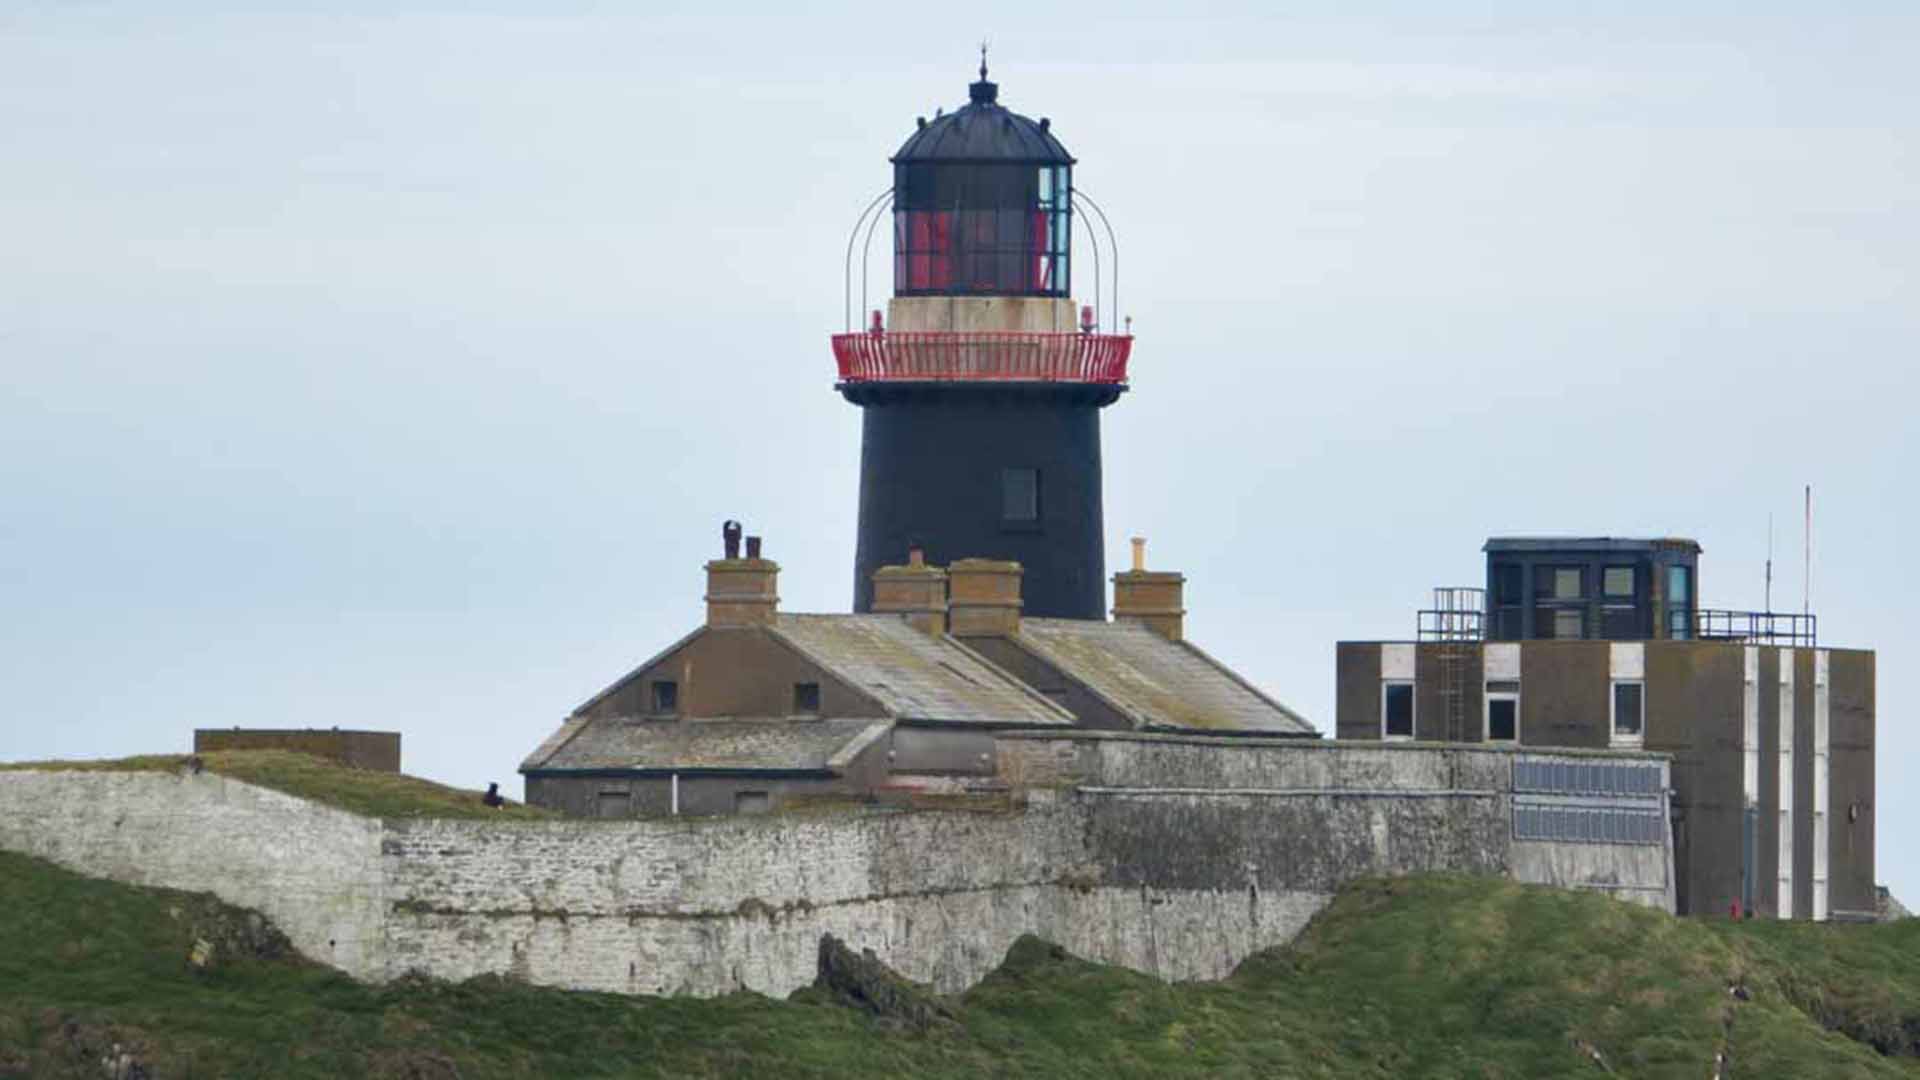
<point>1151,597</point>
<point>916,590</point>
<point>742,592</point>
<point>983,598</point>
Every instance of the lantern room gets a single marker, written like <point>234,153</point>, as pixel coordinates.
<point>982,204</point>
<point>981,386</point>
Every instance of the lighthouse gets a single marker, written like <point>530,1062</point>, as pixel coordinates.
<point>981,387</point>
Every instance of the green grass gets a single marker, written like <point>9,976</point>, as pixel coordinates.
<point>1415,977</point>
<point>362,791</point>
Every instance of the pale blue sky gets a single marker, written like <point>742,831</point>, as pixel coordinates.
<point>396,370</point>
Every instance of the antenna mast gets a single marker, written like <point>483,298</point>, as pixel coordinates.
<point>1806,572</point>
<point>1769,593</point>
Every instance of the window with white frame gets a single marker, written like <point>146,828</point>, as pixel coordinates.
<point>1396,709</point>
<point>1503,712</point>
<point>1628,712</point>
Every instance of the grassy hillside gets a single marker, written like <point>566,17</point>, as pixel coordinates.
<point>375,794</point>
<point>1410,977</point>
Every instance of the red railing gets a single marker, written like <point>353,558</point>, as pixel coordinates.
<point>982,357</point>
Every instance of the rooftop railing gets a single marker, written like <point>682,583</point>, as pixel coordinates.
<point>981,356</point>
<point>1458,614</point>
<point>1759,627</point>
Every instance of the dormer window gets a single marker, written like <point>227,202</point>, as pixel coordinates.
<point>665,697</point>
<point>806,698</point>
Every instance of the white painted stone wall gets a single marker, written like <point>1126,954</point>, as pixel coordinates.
<point>315,871</point>
<point>1178,857</point>
<point>713,905</point>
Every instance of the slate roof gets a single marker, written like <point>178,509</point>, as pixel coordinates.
<point>916,676</point>
<point>1159,683</point>
<point>983,130</point>
<point>786,745</point>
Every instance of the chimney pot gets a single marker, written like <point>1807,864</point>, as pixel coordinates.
<point>1154,598</point>
<point>984,597</point>
<point>742,592</point>
<point>916,591</point>
<point>730,538</point>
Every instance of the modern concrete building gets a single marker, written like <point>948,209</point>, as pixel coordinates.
<point>1772,735</point>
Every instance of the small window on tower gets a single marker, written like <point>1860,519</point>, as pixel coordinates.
<point>1020,496</point>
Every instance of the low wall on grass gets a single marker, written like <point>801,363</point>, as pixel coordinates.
<point>1171,855</point>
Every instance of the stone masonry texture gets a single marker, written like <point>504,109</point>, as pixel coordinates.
<point>1169,855</point>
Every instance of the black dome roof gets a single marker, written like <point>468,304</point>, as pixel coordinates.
<point>982,131</point>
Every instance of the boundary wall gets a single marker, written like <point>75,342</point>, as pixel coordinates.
<point>1173,855</point>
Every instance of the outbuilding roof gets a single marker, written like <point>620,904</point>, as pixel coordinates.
<point>1158,682</point>
<point>792,744</point>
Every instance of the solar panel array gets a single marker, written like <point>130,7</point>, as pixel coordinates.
<point>1587,825</point>
<point>1588,802</point>
<point>1585,777</point>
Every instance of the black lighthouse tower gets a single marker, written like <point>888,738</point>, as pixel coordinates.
<point>981,392</point>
